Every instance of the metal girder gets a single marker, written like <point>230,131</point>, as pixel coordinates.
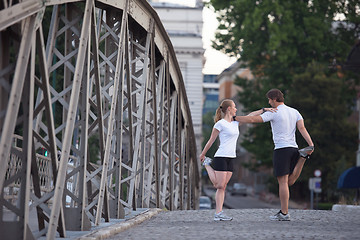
<point>102,70</point>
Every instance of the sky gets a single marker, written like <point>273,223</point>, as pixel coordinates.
<point>216,61</point>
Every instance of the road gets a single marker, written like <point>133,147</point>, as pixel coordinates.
<point>241,202</point>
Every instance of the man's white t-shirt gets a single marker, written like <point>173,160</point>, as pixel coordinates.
<point>283,125</point>
<point>229,133</point>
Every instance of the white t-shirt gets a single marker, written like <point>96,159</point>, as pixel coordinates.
<point>283,125</point>
<point>229,133</point>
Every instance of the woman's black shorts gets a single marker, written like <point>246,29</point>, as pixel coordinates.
<point>284,160</point>
<point>223,164</point>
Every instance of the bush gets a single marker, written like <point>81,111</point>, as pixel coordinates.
<point>325,206</point>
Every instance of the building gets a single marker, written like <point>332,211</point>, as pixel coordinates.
<point>227,88</point>
<point>184,26</point>
<point>210,93</point>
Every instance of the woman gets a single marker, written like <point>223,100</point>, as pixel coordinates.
<point>221,168</point>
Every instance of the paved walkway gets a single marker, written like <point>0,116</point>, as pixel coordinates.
<point>247,224</point>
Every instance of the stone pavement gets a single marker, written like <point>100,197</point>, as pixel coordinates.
<point>247,224</point>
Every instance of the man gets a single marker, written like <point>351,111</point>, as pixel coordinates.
<point>287,160</point>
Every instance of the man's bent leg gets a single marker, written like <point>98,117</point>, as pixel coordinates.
<point>284,193</point>
<point>297,171</point>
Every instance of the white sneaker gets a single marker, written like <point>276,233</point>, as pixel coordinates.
<point>221,217</point>
<point>280,217</point>
<point>207,161</point>
<point>303,151</point>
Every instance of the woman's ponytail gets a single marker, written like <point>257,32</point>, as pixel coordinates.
<point>218,114</point>
<point>222,109</point>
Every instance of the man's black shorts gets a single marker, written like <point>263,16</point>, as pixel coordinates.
<point>223,164</point>
<point>284,160</point>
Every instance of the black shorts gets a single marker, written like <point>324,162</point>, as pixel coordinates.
<point>285,160</point>
<point>223,164</point>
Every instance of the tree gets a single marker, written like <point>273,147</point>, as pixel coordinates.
<point>324,106</point>
<point>278,40</point>
<point>208,123</point>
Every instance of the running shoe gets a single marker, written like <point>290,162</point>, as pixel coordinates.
<point>280,217</point>
<point>221,217</point>
<point>207,161</point>
<point>303,151</point>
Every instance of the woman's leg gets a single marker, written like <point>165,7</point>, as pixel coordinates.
<point>228,176</point>
<point>222,180</point>
<point>212,174</point>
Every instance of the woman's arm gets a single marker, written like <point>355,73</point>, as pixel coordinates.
<point>249,119</point>
<point>254,117</point>
<point>213,136</point>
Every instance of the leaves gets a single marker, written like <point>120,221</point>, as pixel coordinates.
<point>324,109</point>
<point>289,45</point>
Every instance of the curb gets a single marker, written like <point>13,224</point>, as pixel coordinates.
<point>347,208</point>
<point>119,227</point>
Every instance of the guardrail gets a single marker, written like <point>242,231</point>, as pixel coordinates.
<point>105,70</point>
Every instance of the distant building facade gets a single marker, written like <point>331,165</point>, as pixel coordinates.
<point>184,26</point>
<point>210,93</point>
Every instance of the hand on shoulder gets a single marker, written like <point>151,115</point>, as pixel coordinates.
<point>270,109</point>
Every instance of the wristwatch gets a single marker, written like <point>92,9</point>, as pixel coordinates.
<point>263,110</point>
<point>234,118</point>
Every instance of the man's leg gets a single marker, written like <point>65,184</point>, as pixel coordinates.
<point>284,193</point>
<point>297,171</point>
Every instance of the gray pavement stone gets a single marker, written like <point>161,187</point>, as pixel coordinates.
<point>247,224</point>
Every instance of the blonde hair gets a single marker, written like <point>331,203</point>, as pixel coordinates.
<point>221,110</point>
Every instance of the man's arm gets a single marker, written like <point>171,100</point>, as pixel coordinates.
<point>261,111</point>
<point>301,127</point>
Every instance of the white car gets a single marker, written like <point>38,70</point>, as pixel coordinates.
<point>205,202</point>
<point>239,189</point>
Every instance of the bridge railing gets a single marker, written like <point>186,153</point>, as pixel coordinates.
<point>85,80</point>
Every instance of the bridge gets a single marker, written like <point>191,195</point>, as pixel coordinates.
<point>82,75</point>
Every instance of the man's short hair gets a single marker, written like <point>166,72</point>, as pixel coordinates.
<point>275,94</point>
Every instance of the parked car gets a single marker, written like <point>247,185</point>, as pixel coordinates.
<point>239,189</point>
<point>205,202</point>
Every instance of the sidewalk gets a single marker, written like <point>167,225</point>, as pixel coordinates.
<point>108,229</point>
<point>247,224</point>
<point>115,226</point>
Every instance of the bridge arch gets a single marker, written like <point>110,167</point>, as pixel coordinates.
<point>74,71</point>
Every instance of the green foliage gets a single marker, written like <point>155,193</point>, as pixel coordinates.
<point>263,154</point>
<point>325,108</point>
<point>94,148</point>
<point>325,206</point>
<point>289,45</point>
<point>278,38</point>
<point>208,123</point>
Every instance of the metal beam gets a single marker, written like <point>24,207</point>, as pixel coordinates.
<point>108,72</point>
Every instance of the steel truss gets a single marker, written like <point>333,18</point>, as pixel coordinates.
<point>71,71</point>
